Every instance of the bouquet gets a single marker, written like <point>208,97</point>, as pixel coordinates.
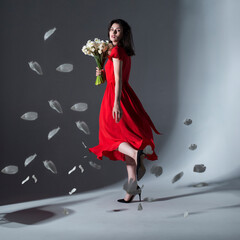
<point>99,50</point>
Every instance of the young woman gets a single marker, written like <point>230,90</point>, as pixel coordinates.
<point>125,129</point>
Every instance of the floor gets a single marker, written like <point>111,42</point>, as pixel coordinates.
<point>169,211</point>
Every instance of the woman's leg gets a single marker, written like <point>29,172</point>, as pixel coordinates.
<point>128,150</point>
<point>131,170</point>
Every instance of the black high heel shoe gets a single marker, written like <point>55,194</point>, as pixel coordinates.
<point>131,198</point>
<point>140,170</point>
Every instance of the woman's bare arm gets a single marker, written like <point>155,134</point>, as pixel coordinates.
<point>117,111</point>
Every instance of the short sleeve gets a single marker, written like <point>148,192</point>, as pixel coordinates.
<point>116,53</point>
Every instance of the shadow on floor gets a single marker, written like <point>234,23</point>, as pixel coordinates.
<point>39,214</point>
<point>230,184</point>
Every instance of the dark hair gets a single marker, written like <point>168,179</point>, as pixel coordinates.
<point>127,40</point>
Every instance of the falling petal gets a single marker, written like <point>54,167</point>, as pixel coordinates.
<point>30,116</point>
<point>83,127</point>
<point>29,159</point>
<point>53,132</point>
<point>85,156</point>
<point>156,170</point>
<point>131,187</point>
<point>34,178</point>
<point>49,33</point>
<point>140,207</point>
<point>202,184</point>
<point>81,167</point>
<point>72,191</point>
<point>84,144</point>
<point>25,180</point>
<point>66,67</point>
<point>50,166</point>
<point>65,211</point>
<point>35,67</point>
<point>188,121</point>
<point>185,214</point>
<point>199,168</point>
<point>148,150</point>
<point>11,169</point>
<point>80,107</point>
<point>73,169</point>
<point>54,104</point>
<point>94,165</point>
<point>193,147</point>
<point>177,177</point>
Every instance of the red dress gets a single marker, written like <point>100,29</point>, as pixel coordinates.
<point>135,126</point>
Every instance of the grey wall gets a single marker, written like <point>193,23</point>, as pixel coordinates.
<point>208,88</point>
<point>153,77</point>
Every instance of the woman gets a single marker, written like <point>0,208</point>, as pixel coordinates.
<point>125,129</point>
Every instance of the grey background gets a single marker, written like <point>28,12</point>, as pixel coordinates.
<point>153,77</point>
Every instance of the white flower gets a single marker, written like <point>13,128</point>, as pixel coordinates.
<point>97,40</point>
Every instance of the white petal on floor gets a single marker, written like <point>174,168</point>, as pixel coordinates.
<point>156,170</point>
<point>148,150</point>
<point>193,147</point>
<point>83,127</point>
<point>50,166</point>
<point>81,167</point>
<point>65,211</point>
<point>85,156</point>
<point>185,214</point>
<point>49,33</point>
<point>72,191</point>
<point>66,67</point>
<point>94,165</point>
<point>54,104</point>
<point>73,169</point>
<point>199,168</point>
<point>30,116</point>
<point>177,177</point>
<point>84,144</point>
<point>29,159</point>
<point>188,121</point>
<point>11,169</point>
<point>140,207</point>
<point>35,67</point>
<point>53,132</point>
<point>25,180</point>
<point>34,178</point>
<point>80,107</point>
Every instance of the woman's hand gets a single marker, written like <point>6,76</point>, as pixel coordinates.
<point>99,72</point>
<point>117,112</point>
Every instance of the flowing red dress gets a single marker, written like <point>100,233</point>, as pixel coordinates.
<point>135,126</point>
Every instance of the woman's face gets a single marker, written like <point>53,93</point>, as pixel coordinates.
<point>115,33</point>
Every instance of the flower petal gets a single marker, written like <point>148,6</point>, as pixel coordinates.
<point>30,116</point>
<point>11,169</point>
<point>50,166</point>
<point>35,67</point>
<point>49,33</point>
<point>83,127</point>
<point>79,107</point>
<point>66,67</point>
<point>54,104</point>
